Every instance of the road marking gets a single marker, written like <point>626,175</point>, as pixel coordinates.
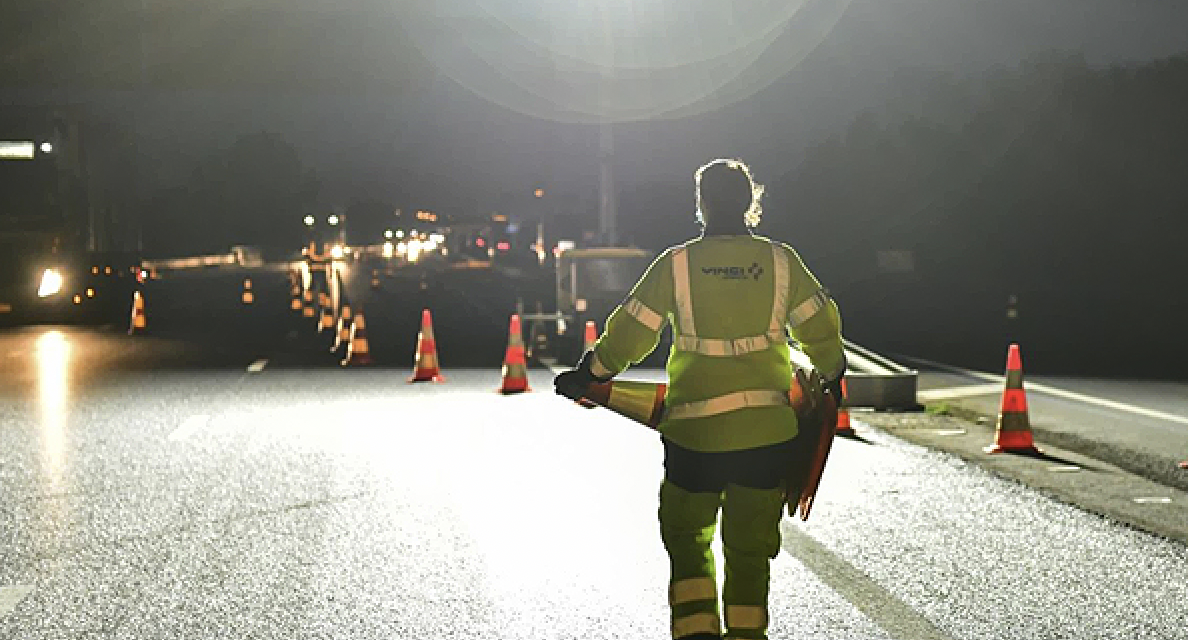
<point>952,393</point>
<point>189,427</point>
<point>1153,500</point>
<point>257,366</point>
<point>891,614</point>
<point>1062,393</point>
<point>1064,468</point>
<point>10,597</point>
<point>949,432</point>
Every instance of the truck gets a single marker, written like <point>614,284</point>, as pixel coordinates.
<point>67,249</point>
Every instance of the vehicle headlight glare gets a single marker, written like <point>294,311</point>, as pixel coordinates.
<point>51,283</point>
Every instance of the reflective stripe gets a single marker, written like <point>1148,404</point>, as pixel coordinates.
<point>644,314</point>
<point>680,290</point>
<point>779,306</point>
<point>718,347</point>
<point>728,402</point>
<point>696,623</point>
<point>746,616</point>
<point>692,589</point>
<point>597,368</point>
<point>809,307</point>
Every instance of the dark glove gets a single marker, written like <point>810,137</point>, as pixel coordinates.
<point>573,383</point>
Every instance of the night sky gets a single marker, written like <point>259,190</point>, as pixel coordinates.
<point>456,105</point>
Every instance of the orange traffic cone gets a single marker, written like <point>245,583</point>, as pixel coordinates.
<point>844,428</point>
<point>375,279</point>
<point>307,310</point>
<point>1013,432</point>
<point>642,402</point>
<point>591,336</point>
<point>515,368</point>
<point>137,324</point>
<point>294,293</point>
<point>1184,464</point>
<point>358,349</point>
<point>425,368</point>
<point>326,320</point>
<point>248,296</point>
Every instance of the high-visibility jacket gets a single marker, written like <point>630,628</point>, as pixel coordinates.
<point>732,301</point>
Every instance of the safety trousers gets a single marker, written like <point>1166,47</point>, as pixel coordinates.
<point>750,539</point>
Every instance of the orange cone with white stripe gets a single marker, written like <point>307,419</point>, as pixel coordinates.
<point>635,400</point>
<point>425,367</point>
<point>294,292</point>
<point>358,348</point>
<point>591,336</point>
<point>307,309</point>
<point>844,428</point>
<point>515,367</point>
<point>137,323</point>
<point>1012,434</point>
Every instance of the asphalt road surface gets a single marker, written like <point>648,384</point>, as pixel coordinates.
<point>223,476</point>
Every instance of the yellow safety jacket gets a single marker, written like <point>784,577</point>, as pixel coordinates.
<point>732,302</point>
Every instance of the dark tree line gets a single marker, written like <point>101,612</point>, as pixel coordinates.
<point>1063,185</point>
<point>254,192</point>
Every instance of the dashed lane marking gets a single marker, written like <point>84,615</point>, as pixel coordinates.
<point>257,366</point>
<point>1153,500</point>
<point>11,596</point>
<point>891,614</point>
<point>189,427</point>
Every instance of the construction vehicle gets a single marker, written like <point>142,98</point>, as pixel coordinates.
<point>590,283</point>
<point>64,254</point>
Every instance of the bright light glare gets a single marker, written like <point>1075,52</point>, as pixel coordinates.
<point>401,248</point>
<point>46,147</point>
<point>16,150</point>
<point>309,221</point>
<point>51,283</point>
<point>388,249</point>
<point>337,251</point>
<point>414,250</point>
<point>333,220</point>
<point>437,237</point>
<point>399,233</point>
<point>388,234</point>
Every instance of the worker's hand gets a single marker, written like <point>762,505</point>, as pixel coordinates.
<point>573,383</point>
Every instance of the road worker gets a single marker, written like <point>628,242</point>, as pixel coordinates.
<point>728,431</point>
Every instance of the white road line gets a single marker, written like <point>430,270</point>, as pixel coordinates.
<point>257,366</point>
<point>1068,395</point>
<point>189,427</point>
<point>951,393</point>
<point>11,596</point>
<point>895,617</point>
<point>1153,500</point>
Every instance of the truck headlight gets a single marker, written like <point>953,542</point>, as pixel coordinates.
<point>51,283</point>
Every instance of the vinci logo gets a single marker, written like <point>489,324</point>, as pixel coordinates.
<point>735,273</point>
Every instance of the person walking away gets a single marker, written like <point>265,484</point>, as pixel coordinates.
<point>728,432</point>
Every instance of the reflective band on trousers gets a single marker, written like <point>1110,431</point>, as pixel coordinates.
<point>646,316</point>
<point>696,623</point>
<point>727,402</point>
<point>745,616</point>
<point>692,590</point>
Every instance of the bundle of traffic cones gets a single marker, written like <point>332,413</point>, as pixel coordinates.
<point>515,367</point>
<point>137,323</point>
<point>1012,433</point>
<point>358,348</point>
<point>425,367</point>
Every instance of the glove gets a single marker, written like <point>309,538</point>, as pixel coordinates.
<point>573,383</point>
